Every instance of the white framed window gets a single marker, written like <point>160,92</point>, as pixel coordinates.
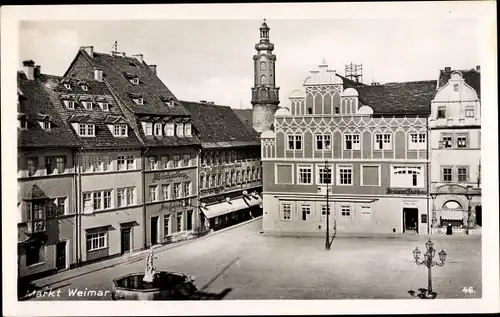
<point>406,176</point>
<point>87,164</point>
<point>462,141</point>
<point>176,161</point>
<point>135,81</point>
<point>286,211</point>
<point>120,197</point>
<point>130,162</point>
<point>121,163</point>
<point>187,129</point>
<point>177,190</point>
<point>164,162</point>
<point>323,141</point>
<point>67,86</point>
<point>152,162</point>
<point>97,241</point>
<point>345,211</point>
<point>70,104</point>
<point>469,112</point>
<point>295,142</point>
<point>187,188</point>
<point>104,106</point>
<point>86,129</point>
<point>125,196</point>
<point>306,212</point>
<point>153,193</point>
<point>87,202</point>
<point>88,105</point>
<point>462,174</point>
<point>441,113</point>
<point>139,101</point>
<point>180,129</point>
<point>170,103</point>
<point>120,130</point>
<point>98,200</point>
<point>186,160</point>
<point>85,88</point>
<point>344,175</point>
<point>447,141</point>
<point>165,191</point>
<point>102,163</point>
<point>210,181</point>
<point>148,128</point>
<point>170,129</point>
<point>383,141</point>
<point>366,212</point>
<point>158,129</point>
<point>46,125</point>
<point>179,224</point>
<point>324,174</point>
<point>417,141</point>
<point>352,142</point>
<point>166,225</point>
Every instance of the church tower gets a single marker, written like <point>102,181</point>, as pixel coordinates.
<point>265,94</point>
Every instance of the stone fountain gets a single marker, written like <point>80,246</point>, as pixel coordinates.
<point>152,285</point>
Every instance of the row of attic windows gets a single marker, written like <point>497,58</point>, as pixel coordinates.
<point>170,129</point>
<point>88,105</point>
<point>88,129</point>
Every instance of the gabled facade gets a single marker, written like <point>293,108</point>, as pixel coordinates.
<point>169,155</point>
<point>230,175</point>
<point>368,144</point>
<point>47,179</point>
<point>455,131</point>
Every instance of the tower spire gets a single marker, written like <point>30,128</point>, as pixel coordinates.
<point>265,94</point>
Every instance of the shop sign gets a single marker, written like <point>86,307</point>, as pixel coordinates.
<point>212,191</point>
<point>407,191</point>
<point>174,205</point>
<point>169,176</point>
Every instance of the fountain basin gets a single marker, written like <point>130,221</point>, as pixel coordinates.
<point>165,286</point>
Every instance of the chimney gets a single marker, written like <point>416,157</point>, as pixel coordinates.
<point>139,57</point>
<point>478,68</point>
<point>153,68</point>
<point>37,71</point>
<point>89,50</point>
<point>98,74</point>
<point>203,101</point>
<point>210,102</point>
<point>29,69</point>
<point>447,69</point>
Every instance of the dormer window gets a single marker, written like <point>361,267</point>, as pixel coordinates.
<point>70,104</point>
<point>86,129</point>
<point>135,81</point>
<point>45,125</point>
<point>67,86</point>
<point>104,106</point>
<point>180,129</point>
<point>22,123</point>
<point>87,105</point>
<point>157,129</point>
<point>187,129</point>
<point>170,103</point>
<point>139,101</point>
<point>85,88</point>
<point>169,129</point>
<point>148,128</point>
<point>120,130</point>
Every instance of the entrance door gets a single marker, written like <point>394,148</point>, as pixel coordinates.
<point>61,255</point>
<point>410,220</point>
<point>125,240</point>
<point>154,230</point>
<point>479,216</point>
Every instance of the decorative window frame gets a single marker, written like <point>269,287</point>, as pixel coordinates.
<point>310,166</point>
<point>337,174</point>
<point>316,174</point>
<point>370,165</point>
<point>276,173</point>
<point>282,211</point>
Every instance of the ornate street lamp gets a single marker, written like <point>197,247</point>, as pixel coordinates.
<point>469,198</point>
<point>429,263</point>
<point>434,218</point>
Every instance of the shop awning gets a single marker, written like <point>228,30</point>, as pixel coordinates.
<point>223,208</point>
<point>452,214</point>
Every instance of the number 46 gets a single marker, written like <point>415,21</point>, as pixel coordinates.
<point>468,290</point>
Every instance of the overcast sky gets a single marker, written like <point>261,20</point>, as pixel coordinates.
<point>212,59</point>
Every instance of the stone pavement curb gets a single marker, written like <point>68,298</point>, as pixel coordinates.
<point>129,258</point>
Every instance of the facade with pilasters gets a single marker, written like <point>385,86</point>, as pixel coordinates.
<point>373,142</point>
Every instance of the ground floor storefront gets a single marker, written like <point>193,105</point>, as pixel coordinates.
<point>230,211</point>
<point>292,214</point>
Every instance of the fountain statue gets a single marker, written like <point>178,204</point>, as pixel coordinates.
<point>150,270</point>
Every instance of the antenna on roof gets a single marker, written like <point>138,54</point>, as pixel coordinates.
<point>115,47</point>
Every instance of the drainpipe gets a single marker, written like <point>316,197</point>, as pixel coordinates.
<point>143,183</point>
<point>427,172</point>
<point>79,207</point>
<point>198,171</point>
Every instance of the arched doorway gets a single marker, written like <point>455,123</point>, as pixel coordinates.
<point>452,213</point>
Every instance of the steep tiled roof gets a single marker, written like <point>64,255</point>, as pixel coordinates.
<point>348,83</point>
<point>96,92</point>
<point>35,102</point>
<point>245,115</point>
<point>220,125</point>
<point>117,72</point>
<point>471,76</point>
<point>408,98</point>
